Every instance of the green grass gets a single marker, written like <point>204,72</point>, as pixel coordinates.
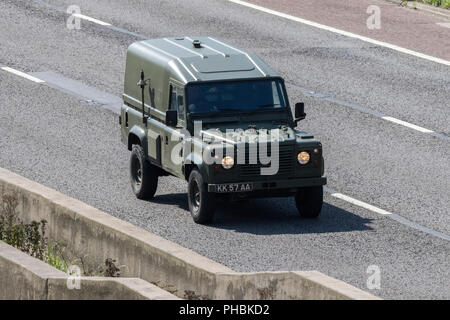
<point>28,237</point>
<point>31,238</point>
<point>437,3</point>
<point>54,256</point>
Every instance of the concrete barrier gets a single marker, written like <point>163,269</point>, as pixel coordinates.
<point>24,277</point>
<point>147,256</point>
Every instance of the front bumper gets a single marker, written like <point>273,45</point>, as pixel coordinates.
<point>278,184</point>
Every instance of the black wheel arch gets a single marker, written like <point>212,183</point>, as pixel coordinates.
<point>137,136</point>
<point>201,168</point>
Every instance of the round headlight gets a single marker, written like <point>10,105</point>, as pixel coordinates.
<point>227,162</point>
<point>303,157</point>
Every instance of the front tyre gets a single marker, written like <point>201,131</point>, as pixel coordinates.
<point>309,201</point>
<point>143,175</point>
<point>201,202</point>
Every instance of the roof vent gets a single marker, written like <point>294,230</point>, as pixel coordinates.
<point>197,44</point>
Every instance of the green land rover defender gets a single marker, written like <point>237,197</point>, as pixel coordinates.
<point>205,111</point>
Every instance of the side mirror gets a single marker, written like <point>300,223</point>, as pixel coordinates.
<point>299,111</point>
<point>171,118</point>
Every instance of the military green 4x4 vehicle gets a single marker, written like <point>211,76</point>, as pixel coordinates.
<point>207,112</point>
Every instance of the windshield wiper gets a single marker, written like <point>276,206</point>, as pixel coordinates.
<point>226,109</point>
<point>244,110</point>
<point>269,105</point>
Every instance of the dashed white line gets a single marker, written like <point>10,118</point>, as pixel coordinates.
<point>407,124</point>
<point>391,119</point>
<point>311,23</point>
<point>360,203</point>
<point>342,32</point>
<point>330,191</point>
<point>387,118</point>
<point>82,16</point>
<point>391,215</point>
<point>22,74</point>
<point>329,97</point>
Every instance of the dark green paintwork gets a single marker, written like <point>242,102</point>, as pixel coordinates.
<point>176,62</point>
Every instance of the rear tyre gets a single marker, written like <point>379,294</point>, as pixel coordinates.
<point>143,175</point>
<point>309,201</point>
<point>201,202</point>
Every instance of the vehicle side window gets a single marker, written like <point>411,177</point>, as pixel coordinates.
<point>173,98</point>
<point>177,101</point>
<point>276,95</point>
<point>180,104</point>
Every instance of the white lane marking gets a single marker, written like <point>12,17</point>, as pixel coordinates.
<point>22,74</point>
<point>392,216</point>
<point>407,124</point>
<point>82,16</point>
<point>332,192</point>
<point>342,32</point>
<point>394,120</point>
<point>444,24</point>
<point>377,114</point>
<point>360,203</point>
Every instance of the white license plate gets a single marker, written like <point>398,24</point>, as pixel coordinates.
<point>234,187</point>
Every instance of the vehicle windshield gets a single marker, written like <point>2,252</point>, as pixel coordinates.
<point>235,96</point>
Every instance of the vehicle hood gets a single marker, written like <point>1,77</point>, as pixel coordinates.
<point>282,134</point>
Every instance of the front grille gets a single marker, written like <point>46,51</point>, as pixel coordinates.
<point>285,168</point>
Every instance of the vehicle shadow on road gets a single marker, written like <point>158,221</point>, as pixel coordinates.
<point>173,199</point>
<point>280,216</point>
<point>273,216</point>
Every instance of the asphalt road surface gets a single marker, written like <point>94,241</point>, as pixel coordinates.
<point>70,142</point>
<point>426,32</point>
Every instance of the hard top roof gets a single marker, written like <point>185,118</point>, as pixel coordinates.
<point>192,59</point>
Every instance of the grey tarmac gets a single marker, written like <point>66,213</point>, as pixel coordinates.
<point>71,145</point>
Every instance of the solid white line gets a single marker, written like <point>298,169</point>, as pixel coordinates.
<point>407,124</point>
<point>444,24</point>
<point>360,203</point>
<point>22,74</point>
<point>342,32</point>
<point>82,16</point>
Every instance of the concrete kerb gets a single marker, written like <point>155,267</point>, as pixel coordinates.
<point>23,277</point>
<point>147,256</point>
<point>280,285</point>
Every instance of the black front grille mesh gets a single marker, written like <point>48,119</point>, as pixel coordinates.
<point>285,169</point>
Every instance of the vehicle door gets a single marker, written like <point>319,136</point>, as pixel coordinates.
<point>174,136</point>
